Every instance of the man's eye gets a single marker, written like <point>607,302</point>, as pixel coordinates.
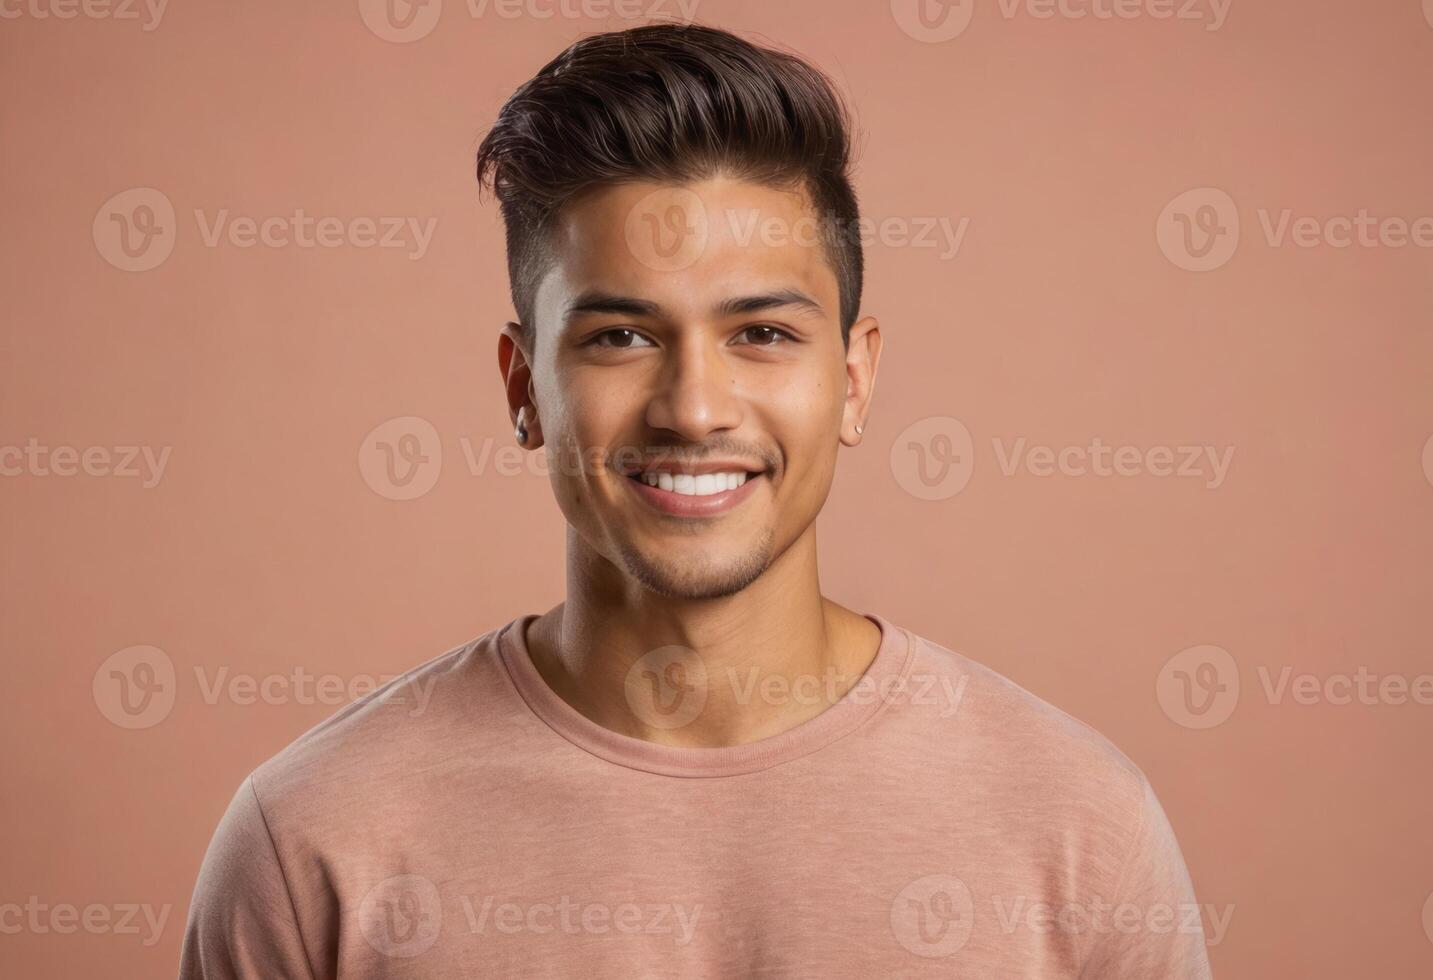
<point>764,335</point>
<point>621,338</point>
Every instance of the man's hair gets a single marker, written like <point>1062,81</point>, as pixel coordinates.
<point>670,103</point>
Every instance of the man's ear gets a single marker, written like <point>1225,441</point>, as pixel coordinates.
<point>516,370</point>
<point>863,354</point>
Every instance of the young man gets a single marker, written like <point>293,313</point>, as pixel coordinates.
<point>696,765</point>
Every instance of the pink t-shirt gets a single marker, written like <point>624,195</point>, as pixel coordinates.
<point>465,821</point>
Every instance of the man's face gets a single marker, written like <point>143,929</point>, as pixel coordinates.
<point>690,336</point>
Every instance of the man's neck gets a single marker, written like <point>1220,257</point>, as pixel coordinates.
<point>757,663</point>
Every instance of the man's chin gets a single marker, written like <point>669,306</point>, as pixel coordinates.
<point>699,575</point>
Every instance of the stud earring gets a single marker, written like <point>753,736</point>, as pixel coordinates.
<point>521,430</point>
<point>858,430</point>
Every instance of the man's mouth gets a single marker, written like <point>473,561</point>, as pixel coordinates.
<point>694,485</point>
<point>701,490</point>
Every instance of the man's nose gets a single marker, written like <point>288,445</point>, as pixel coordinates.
<point>697,392</point>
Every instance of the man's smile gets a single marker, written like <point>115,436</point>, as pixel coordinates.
<point>686,494</point>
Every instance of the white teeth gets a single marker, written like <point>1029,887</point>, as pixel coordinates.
<point>703,485</point>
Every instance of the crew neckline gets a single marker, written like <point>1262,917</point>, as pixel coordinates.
<point>861,702</point>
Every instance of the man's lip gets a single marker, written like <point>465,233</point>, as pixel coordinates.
<point>692,505</point>
<point>697,469</point>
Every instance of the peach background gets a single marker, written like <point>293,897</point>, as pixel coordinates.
<point>264,548</point>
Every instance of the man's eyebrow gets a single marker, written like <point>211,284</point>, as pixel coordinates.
<point>595,301</point>
<point>766,301</point>
<point>599,302</point>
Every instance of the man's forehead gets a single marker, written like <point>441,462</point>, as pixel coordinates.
<point>708,241</point>
<point>597,206</point>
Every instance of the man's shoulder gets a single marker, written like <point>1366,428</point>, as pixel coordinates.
<point>995,726</point>
<point>407,724</point>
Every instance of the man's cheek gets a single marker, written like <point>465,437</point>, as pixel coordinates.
<point>623,456</point>
<point>570,453</point>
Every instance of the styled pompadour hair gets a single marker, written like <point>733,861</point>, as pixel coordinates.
<point>670,103</point>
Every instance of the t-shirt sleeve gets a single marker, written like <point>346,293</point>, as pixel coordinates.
<point>1154,927</point>
<point>242,924</point>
